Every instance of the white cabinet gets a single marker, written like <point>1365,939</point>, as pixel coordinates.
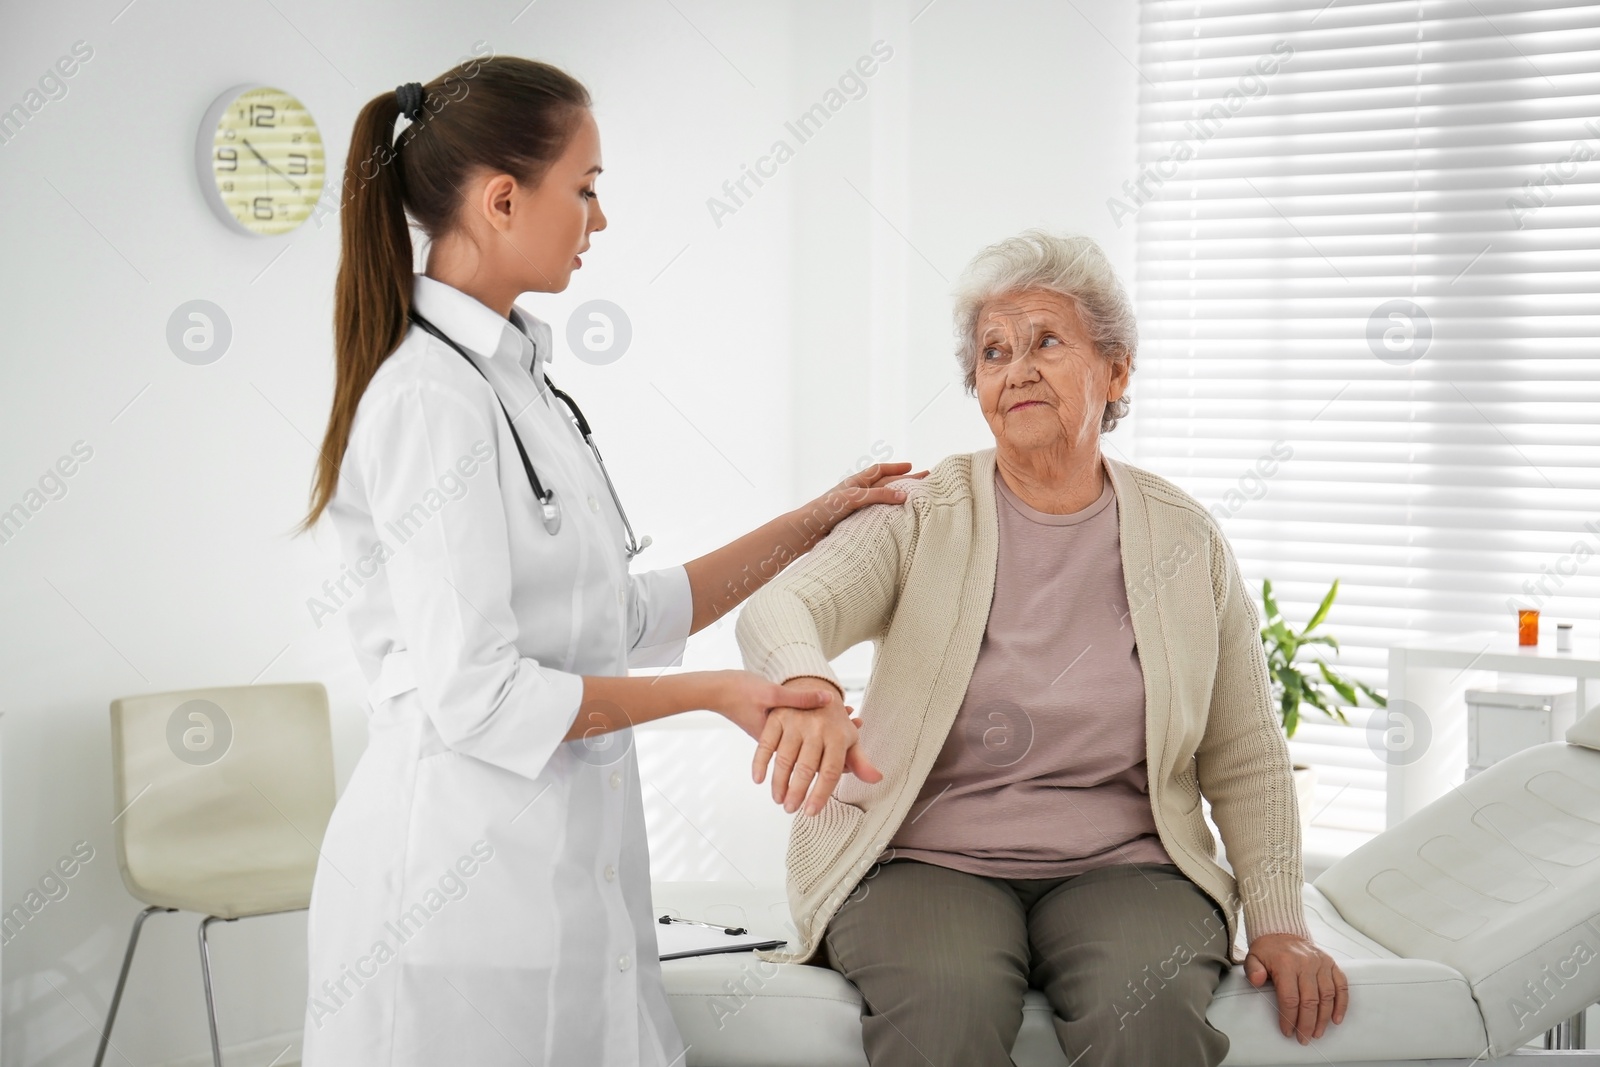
<point>1422,735</point>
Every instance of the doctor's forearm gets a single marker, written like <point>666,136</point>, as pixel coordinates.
<point>613,703</point>
<point>618,703</point>
<point>720,581</point>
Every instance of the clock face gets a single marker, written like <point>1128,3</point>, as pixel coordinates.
<point>261,161</point>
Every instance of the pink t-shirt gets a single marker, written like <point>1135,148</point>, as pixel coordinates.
<point>1043,772</point>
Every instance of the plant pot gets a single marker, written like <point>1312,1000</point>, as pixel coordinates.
<point>1305,791</point>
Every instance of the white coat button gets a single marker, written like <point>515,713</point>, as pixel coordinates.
<point>624,963</point>
<point>622,598</point>
<point>594,505</point>
<point>616,780</point>
<point>611,873</point>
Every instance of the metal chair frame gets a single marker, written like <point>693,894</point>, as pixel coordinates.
<point>205,977</point>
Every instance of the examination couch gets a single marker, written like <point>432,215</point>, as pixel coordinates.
<point>1466,931</point>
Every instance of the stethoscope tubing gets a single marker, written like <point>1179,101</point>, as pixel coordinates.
<point>550,510</point>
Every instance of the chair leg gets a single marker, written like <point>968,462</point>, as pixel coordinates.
<point>122,981</point>
<point>1568,1034</point>
<point>205,977</point>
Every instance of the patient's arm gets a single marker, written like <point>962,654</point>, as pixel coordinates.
<point>1252,802</point>
<point>1243,767</point>
<point>841,594</point>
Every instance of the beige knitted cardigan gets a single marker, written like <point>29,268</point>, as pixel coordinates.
<point>916,580</point>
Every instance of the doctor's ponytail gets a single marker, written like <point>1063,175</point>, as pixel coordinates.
<point>509,115</point>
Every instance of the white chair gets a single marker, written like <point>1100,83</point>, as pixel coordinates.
<point>222,797</point>
<point>1465,932</point>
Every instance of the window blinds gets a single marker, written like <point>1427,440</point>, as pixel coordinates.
<point>1368,281</point>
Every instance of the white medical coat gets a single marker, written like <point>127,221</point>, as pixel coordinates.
<point>483,895</point>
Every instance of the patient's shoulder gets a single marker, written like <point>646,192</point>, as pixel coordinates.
<point>948,482</point>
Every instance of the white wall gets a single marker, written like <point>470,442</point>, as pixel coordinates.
<point>770,354</point>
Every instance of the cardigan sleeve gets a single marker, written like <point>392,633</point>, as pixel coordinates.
<point>841,593</point>
<point>1243,764</point>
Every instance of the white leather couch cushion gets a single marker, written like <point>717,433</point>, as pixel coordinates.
<point>1399,1008</point>
<point>737,1011</point>
<point>1500,881</point>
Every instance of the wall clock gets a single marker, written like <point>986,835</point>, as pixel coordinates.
<point>259,154</point>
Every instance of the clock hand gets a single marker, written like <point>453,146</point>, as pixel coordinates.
<point>269,166</point>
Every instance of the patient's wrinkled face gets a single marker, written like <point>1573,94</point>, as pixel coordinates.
<point>1041,382</point>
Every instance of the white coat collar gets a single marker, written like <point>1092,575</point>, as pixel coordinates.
<point>479,328</point>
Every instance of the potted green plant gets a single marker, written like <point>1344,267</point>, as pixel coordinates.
<point>1296,682</point>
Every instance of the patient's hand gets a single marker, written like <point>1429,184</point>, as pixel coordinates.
<point>809,750</point>
<point>1310,986</point>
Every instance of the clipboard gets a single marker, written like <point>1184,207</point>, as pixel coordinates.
<point>677,942</point>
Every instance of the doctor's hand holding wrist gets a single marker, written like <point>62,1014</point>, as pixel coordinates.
<point>803,726</point>
<point>810,748</point>
<point>742,697</point>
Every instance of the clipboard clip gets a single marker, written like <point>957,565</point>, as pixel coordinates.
<point>731,931</point>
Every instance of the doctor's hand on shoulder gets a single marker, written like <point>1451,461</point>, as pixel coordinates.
<point>872,485</point>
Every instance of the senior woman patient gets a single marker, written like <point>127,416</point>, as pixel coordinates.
<point>1067,659</point>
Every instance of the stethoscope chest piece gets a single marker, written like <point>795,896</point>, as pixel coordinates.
<point>551,512</point>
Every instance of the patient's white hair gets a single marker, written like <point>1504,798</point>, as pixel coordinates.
<point>1072,266</point>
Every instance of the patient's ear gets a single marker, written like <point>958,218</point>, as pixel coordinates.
<point>1118,385</point>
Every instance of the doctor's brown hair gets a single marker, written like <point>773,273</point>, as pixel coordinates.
<point>502,113</point>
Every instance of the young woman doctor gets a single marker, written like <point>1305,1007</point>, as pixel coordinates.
<point>483,895</point>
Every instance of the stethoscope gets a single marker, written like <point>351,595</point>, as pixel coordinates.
<point>550,510</point>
